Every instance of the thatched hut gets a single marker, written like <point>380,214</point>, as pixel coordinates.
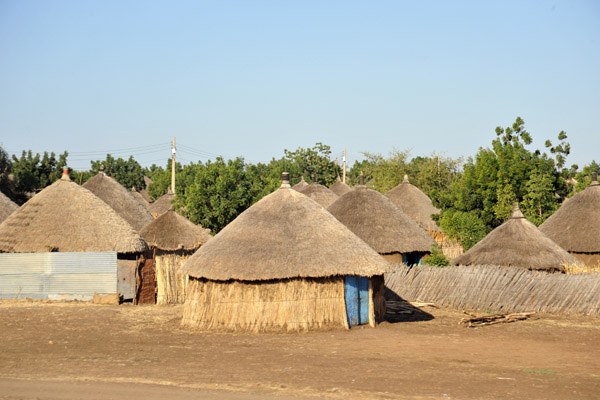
<point>319,193</point>
<point>144,192</point>
<point>120,199</point>
<point>172,239</point>
<point>340,188</point>
<point>162,205</point>
<point>517,243</point>
<point>414,203</point>
<point>376,220</point>
<point>284,264</point>
<point>575,226</point>
<point>138,196</point>
<point>7,207</point>
<point>300,185</point>
<point>65,217</point>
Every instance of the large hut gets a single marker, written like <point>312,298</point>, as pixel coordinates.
<point>120,199</point>
<point>575,226</point>
<point>319,193</point>
<point>517,243</point>
<point>284,264</point>
<point>7,207</point>
<point>172,239</point>
<point>300,185</point>
<point>65,217</point>
<point>162,205</point>
<point>376,220</point>
<point>340,188</point>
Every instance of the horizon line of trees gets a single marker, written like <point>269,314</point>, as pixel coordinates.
<point>475,195</point>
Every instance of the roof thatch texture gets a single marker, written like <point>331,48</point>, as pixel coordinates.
<point>162,205</point>
<point>144,192</point>
<point>7,207</point>
<point>319,193</point>
<point>120,199</point>
<point>284,235</point>
<point>376,220</point>
<point>171,232</point>
<point>300,185</point>
<point>414,203</point>
<point>67,217</point>
<point>138,196</point>
<point>519,243</point>
<point>575,226</point>
<point>340,188</point>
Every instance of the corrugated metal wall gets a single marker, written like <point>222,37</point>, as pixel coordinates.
<point>57,275</point>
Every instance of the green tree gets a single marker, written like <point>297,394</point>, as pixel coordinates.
<point>128,173</point>
<point>315,161</point>
<point>584,178</point>
<point>540,201</point>
<point>5,169</point>
<point>465,227</point>
<point>32,172</point>
<point>436,257</point>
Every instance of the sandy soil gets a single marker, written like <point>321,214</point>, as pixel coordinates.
<point>85,351</point>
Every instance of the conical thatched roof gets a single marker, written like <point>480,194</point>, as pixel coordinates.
<point>7,207</point>
<point>320,194</point>
<point>300,185</point>
<point>171,231</point>
<point>518,243</point>
<point>144,192</point>
<point>340,188</point>
<point>162,205</point>
<point>140,198</point>
<point>284,235</point>
<point>120,199</point>
<point>376,220</point>
<point>414,203</point>
<point>575,226</point>
<point>67,217</point>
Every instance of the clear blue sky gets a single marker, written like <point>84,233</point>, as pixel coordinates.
<point>251,78</point>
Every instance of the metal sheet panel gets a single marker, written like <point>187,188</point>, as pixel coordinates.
<point>57,275</point>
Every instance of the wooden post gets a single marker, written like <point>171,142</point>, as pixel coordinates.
<point>173,167</point>
<point>344,167</point>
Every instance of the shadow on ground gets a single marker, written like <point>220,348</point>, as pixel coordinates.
<point>400,310</point>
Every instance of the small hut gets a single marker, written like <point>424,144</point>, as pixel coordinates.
<point>284,264</point>
<point>517,243</point>
<point>139,197</point>
<point>300,185</point>
<point>173,239</point>
<point>162,205</point>
<point>575,226</point>
<point>7,207</point>
<point>418,206</point>
<point>144,192</point>
<point>319,193</point>
<point>376,220</point>
<point>340,188</point>
<point>120,199</point>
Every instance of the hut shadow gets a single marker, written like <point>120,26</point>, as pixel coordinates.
<point>400,310</point>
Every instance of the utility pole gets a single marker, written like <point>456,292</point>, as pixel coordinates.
<point>344,167</point>
<point>173,167</point>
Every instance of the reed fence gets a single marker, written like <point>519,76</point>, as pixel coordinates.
<point>496,288</point>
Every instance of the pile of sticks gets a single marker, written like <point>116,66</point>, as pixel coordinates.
<point>493,319</point>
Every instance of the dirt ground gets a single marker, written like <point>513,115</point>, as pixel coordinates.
<point>85,351</point>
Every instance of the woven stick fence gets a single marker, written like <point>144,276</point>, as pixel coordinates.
<point>497,288</point>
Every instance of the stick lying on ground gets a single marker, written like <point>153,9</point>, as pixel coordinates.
<point>475,321</point>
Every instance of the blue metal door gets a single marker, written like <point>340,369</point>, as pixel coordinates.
<point>357,299</point>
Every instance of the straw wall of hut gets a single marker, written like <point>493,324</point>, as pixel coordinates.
<point>282,265</point>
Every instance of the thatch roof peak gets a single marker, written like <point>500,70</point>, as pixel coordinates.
<point>120,199</point>
<point>376,220</point>
<point>7,207</point>
<point>171,232</point>
<point>414,203</point>
<point>575,226</point>
<point>284,235</point>
<point>163,204</point>
<point>340,188</point>
<point>300,185</point>
<point>319,193</point>
<point>519,243</point>
<point>516,212</point>
<point>67,217</point>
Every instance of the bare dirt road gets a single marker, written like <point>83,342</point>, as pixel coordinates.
<point>84,351</point>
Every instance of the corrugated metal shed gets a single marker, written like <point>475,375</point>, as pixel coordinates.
<point>57,275</point>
